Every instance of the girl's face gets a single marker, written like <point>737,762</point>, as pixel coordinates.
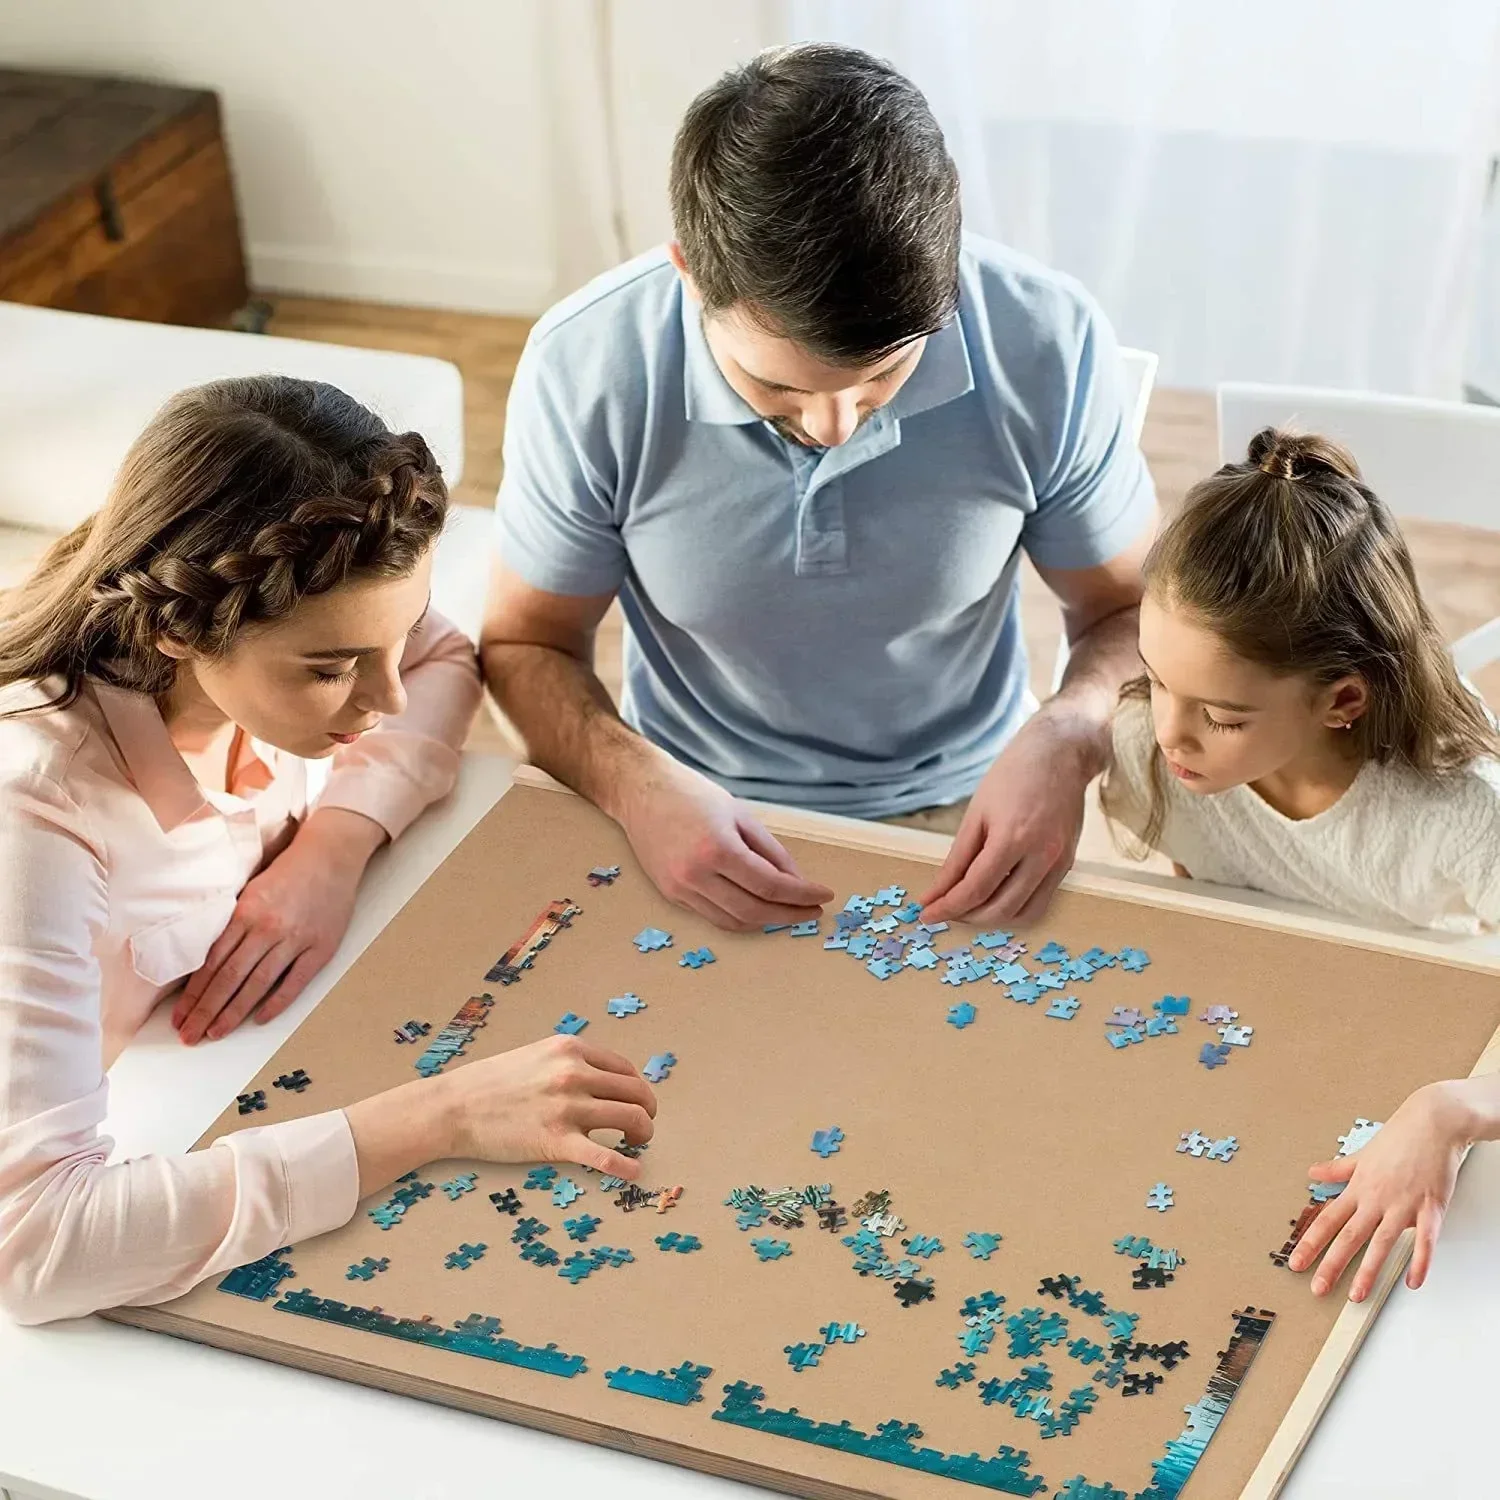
<point>1222,721</point>
<point>323,676</point>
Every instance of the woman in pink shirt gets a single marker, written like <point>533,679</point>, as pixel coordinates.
<point>218,697</point>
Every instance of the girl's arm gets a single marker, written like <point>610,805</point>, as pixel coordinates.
<point>292,916</point>
<point>79,1232</point>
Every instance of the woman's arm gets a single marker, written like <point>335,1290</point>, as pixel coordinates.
<point>79,1232</point>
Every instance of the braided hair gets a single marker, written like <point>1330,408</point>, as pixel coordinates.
<point>239,500</point>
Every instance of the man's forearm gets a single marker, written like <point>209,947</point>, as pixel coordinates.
<point>565,715</point>
<point>1100,662</point>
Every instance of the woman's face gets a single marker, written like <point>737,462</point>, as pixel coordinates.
<point>322,677</point>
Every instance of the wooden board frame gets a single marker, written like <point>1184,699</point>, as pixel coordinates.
<point>1330,1364</point>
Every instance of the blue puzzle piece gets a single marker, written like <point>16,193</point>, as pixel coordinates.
<point>864,905</point>
<point>541,1178</point>
<point>681,1244</point>
<point>625,1005</point>
<point>577,1266</point>
<point>862,945</point>
<point>982,1307</point>
<point>1159,1198</point>
<point>981,1246</point>
<point>388,1215</point>
<point>695,958</point>
<point>527,1230</point>
<point>995,939</point>
<point>752,1216</point>
<point>1049,979</point>
<point>1063,1007</point>
<point>1135,1245</point>
<point>841,1333</point>
<point>1123,1036</point>
<point>848,921</point>
<point>882,925</point>
<point>890,895</point>
<point>802,1356</point>
<point>1052,953</point>
<point>1027,992</point>
<point>570,1025</point>
<point>977,1340</point>
<point>458,1186</point>
<point>1133,960</point>
<point>1213,1055</point>
<point>884,968</point>
<point>1160,1026</point>
<point>921,958</point>
<point>958,1375</point>
<point>928,930</point>
<point>923,1245</point>
<point>769,1249</point>
<point>1324,1192</point>
<point>581,1227</point>
<point>836,942</point>
<point>1010,973</point>
<point>961,1015</point>
<point>465,1256</point>
<point>649,939</point>
<point>826,1142</point>
<point>367,1269</point>
<point>1077,969</point>
<point>565,1192</point>
<point>1173,1005</point>
<point>606,1255</point>
<point>776,927</point>
<point>1085,1352</point>
<point>659,1066</point>
<point>909,913</point>
<point>1099,959</point>
<point>539,1254</point>
<point>808,928</point>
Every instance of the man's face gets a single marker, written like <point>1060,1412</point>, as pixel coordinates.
<point>805,399</point>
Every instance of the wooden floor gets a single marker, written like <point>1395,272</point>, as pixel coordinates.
<point>1459,569</point>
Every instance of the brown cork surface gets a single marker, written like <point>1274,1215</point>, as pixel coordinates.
<point>1027,1126</point>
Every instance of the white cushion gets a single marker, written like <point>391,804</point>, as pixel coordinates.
<point>20,547</point>
<point>76,390</point>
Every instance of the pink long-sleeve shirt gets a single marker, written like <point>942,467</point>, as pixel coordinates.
<point>117,872</point>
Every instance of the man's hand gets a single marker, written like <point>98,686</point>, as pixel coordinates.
<point>285,926</point>
<point>1017,839</point>
<point>1403,1177</point>
<point>704,851</point>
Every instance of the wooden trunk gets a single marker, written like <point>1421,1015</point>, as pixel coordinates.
<point>116,198</point>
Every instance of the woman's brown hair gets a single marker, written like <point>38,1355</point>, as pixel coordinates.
<point>240,499</point>
<point>1297,565</point>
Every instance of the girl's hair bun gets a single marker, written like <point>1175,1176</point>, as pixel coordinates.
<point>1300,456</point>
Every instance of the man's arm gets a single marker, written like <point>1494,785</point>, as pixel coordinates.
<point>1017,839</point>
<point>699,845</point>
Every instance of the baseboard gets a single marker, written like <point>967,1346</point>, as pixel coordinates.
<point>463,286</point>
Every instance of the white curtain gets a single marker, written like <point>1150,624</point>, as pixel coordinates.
<point>1288,191</point>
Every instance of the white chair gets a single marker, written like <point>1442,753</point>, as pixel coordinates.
<point>1430,460</point>
<point>75,390</point>
<point>1137,376</point>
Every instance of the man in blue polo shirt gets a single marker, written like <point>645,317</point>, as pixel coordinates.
<point>804,445</point>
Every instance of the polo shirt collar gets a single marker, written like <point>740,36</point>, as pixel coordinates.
<point>157,769</point>
<point>943,373</point>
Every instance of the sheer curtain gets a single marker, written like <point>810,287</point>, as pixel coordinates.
<point>1290,191</point>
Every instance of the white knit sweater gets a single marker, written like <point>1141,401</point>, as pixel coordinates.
<point>1398,847</point>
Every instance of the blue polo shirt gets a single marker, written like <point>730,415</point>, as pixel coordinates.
<point>832,628</point>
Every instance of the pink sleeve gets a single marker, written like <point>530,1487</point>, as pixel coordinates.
<point>77,1231</point>
<point>391,774</point>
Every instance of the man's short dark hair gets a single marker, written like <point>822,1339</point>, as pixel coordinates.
<point>811,189</point>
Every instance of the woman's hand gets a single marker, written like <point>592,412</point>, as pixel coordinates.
<point>536,1103</point>
<point>539,1103</point>
<point>1403,1177</point>
<point>285,927</point>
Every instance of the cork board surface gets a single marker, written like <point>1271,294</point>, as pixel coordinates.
<point>1020,1124</point>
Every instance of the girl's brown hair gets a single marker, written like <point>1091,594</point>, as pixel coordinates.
<point>239,499</point>
<point>1295,563</point>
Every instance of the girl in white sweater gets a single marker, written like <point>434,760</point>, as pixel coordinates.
<point>1300,729</point>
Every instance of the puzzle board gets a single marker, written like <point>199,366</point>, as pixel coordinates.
<point>1028,1126</point>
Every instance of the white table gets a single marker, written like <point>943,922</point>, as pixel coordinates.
<point>93,1410</point>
